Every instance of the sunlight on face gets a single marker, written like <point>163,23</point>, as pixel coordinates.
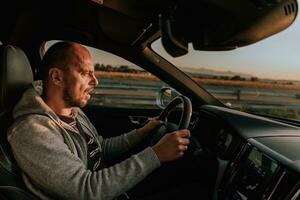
<point>79,79</point>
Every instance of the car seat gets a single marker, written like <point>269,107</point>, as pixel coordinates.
<point>15,76</point>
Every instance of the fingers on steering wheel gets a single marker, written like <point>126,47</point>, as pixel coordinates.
<point>184,141</point>
<point>183,147</point>
<point>184,133</point>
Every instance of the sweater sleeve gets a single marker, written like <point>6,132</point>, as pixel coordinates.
<point>116,146</point>
<point>43,156</point>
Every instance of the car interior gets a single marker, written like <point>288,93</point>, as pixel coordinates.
<point>234,154</point>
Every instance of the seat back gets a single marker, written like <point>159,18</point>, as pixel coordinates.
<point>15,76</point>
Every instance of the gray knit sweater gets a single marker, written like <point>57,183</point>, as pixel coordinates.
<point>54,162</point>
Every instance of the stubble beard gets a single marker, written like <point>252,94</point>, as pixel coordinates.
<point>70,100</point>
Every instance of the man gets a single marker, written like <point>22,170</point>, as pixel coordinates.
<point>60,152</point>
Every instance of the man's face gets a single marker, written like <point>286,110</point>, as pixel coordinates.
<point>79,81</point>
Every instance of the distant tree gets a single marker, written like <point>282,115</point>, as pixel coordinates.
<point>103,67</point>
<point>254,78</point>
<point>124,68</point>
<point>100,67</point>
<point>224,77</point>
<point>236,78</point>
<point>289,83</point>
<point>97,67</point>
<point>109,68</point>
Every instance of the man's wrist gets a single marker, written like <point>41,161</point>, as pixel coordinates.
<point>141,132</point>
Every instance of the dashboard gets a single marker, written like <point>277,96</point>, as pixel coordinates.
<point>259,158</point>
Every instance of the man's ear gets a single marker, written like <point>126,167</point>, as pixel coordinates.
<point>56,76</point>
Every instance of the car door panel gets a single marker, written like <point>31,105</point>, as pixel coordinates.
<point>112,121</point>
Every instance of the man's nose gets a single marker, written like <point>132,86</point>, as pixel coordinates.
<point>94,80</point>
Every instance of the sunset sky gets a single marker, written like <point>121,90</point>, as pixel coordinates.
<point>277,57</point>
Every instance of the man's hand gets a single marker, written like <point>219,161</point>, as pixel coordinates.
<point>172,146</point>
<point>147,128</point>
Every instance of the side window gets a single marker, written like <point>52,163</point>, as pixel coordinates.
<point>121,83</point>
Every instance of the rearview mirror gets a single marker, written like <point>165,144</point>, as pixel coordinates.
<point>174,46</point>
<point>223,25</point>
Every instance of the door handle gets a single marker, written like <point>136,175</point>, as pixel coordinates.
<point>138,120</point>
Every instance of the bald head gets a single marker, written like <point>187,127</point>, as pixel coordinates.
<point>68,76</point>
<point>61,55</point>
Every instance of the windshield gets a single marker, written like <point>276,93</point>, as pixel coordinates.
<point>262,78</point>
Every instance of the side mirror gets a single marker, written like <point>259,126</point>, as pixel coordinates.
<point>165,96</point>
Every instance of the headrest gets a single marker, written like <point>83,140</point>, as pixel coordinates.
<point>15,75</point>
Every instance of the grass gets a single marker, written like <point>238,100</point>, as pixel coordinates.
<point>122,75</point>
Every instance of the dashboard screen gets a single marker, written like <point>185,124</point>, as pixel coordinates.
<point>254,176</point>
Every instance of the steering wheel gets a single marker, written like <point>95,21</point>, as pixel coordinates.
<point>185,118</point>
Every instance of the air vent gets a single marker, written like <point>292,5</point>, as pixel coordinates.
<point>289,8</point>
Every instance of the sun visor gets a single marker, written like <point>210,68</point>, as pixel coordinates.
<point>223,25</point>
